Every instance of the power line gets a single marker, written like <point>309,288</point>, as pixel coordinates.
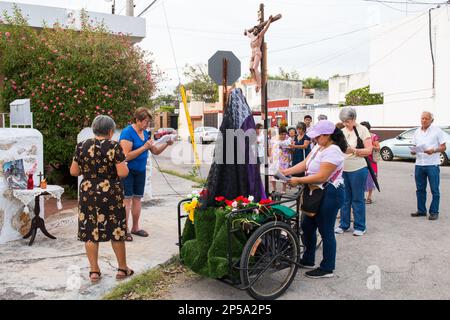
<point>148,7</point>
<point>171,42</point>
<point>338,54</point>
<point>406,2</point>
<point>320,40</point>
<point>402,43</point>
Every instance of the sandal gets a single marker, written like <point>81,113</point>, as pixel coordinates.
<point>126,273</point>
<point>369,201</point>
<point>128,237</point>
<point>96,279</point>
<point>141,233</point>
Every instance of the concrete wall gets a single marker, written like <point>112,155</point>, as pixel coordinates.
<point>338,87</point>
<point>401,68</point>
<point>282,89</point>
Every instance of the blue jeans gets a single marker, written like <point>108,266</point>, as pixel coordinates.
<point>355,183</point>
<point>421,175</point>
<point>134,184</point>
<point>324,221</point>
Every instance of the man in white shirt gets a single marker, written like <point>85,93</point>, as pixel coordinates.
<point>429,143</point>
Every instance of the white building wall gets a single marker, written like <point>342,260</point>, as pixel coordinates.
<point>401,68</point>
<point>338,87</point>
<point>36,14</point>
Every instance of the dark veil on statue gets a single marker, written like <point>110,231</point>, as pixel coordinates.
<point>234,171</point>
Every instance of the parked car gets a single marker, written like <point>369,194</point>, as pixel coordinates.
<point>163,131</point>
<point>400,146</point>
<point>205,134</point>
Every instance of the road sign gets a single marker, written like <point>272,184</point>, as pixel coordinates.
<point>215,67</point>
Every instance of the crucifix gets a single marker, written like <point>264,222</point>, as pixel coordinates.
<point>257,44</point>
<point>259,57</point>
<point>40,175</point>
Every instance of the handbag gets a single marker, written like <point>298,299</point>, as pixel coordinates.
<point>376,155</point>
<point>312,199</point>
<point>312,196</point>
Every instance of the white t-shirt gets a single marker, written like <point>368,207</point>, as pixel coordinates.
<point>260,144</point>
<point>352,162</point>
<point>431,138</point>
<point>333,155</point>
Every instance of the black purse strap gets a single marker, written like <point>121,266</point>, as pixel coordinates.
<point>359,142</point>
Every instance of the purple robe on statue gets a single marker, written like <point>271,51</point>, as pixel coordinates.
<point>239,174</point>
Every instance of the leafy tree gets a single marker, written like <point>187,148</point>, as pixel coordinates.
<point>71,77</point>
<point>166,100</point>
<point>202,86</point>
<point>284,75</point>
<point>315,83</point>
<point>363,97</point>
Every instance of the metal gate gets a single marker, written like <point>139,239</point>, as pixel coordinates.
<point>210,120</point>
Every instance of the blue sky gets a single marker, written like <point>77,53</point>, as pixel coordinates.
<point>314,37</point>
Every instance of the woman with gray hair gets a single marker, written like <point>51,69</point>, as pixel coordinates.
<point>101,210</point>
<point>355,172</point>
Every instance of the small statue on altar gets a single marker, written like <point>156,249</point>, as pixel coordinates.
<point>256,37</point>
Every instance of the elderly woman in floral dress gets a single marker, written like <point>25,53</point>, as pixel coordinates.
<point>101,161</point>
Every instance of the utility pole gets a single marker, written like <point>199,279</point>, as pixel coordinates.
<point>130,8</point>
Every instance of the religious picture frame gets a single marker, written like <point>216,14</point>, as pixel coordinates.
<point>14,174</point>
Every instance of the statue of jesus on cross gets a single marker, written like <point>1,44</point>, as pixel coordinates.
<point>256,37</point>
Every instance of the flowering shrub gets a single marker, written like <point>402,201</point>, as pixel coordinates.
<point>71,77</point>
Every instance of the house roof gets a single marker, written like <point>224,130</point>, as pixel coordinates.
<point>35,14</point>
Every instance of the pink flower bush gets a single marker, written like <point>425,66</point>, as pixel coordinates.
<point>63,72</point>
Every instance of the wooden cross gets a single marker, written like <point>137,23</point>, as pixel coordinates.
<point>40,175</point>
<point>263,67</point>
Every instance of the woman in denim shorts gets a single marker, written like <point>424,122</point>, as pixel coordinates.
<point>135,142</point>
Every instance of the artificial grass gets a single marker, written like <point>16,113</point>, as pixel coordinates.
<point>205,250</point>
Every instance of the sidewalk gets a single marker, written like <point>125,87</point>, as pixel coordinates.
<point>58,269</point>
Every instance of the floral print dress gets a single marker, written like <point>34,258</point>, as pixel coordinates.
<point>101,209</point>
<point>280,155</point>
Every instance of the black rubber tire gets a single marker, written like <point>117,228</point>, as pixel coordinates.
<point>268,231</point>
<point>443,159</point>
<point>386,154</point>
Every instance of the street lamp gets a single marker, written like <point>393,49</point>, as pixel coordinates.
<point>113,7</point>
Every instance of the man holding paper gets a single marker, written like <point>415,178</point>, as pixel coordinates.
<point>429,143</point>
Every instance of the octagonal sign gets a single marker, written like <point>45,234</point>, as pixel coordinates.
<point>215,67</point>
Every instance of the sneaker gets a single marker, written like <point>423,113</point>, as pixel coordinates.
<point>433,217</point>
<point>339,230</point>
<point>358,233</point>
<point>418,214</point>
<point>319,273</point>
<point>306,265</point>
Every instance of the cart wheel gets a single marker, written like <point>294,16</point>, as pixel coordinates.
<point>268,261</point>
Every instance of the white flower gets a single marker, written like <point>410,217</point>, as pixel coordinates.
<point>189,195</point>
<point>195,193</point>
<point>244,204</point>
<point>234,204</point>
<point>251,198</point>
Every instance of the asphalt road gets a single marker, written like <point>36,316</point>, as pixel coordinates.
<point>399,257</point>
